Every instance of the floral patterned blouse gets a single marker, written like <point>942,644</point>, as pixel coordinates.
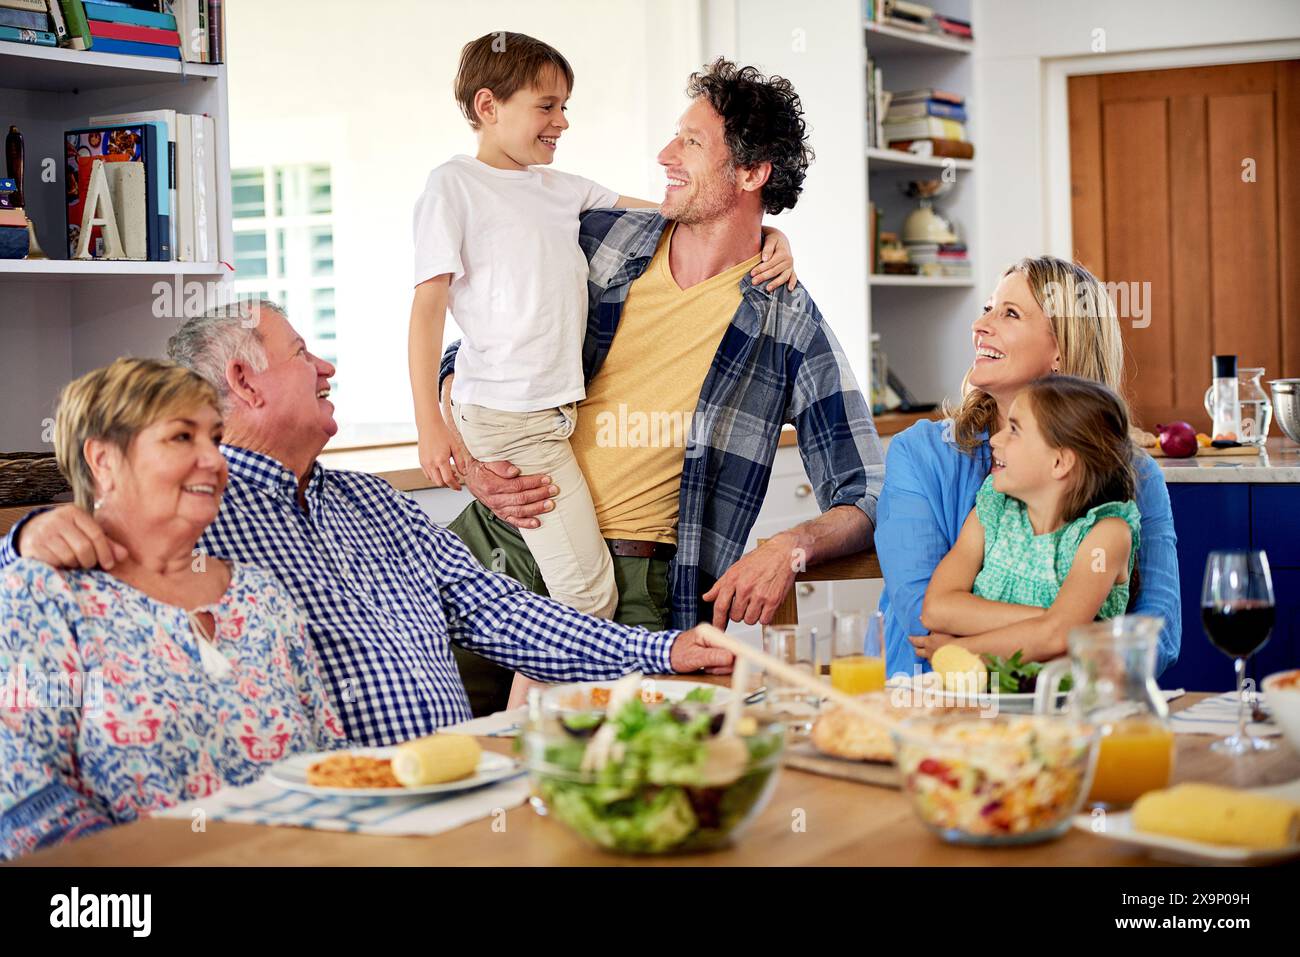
<point>110,708</point>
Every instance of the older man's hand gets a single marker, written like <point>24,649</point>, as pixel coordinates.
<point>512,497</point>
<point>752,589</point>
<point>692,651</point>
<point>67,537</point>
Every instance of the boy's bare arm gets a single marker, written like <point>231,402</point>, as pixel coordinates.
<point>777,266</point>
<point>424,342</point>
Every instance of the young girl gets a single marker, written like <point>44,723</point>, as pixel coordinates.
<point>1053,538</point>
<point>496,239</point>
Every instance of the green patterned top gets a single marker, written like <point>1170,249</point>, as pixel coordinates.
<point>1022,568</point>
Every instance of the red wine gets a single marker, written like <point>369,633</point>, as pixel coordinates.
<point>1238,628</point>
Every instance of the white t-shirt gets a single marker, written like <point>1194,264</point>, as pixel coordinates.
<point>509,239</point>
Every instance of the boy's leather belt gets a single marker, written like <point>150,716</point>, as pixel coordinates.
<point>632,548</point>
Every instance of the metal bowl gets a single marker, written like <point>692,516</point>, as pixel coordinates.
<point>1286,406</point>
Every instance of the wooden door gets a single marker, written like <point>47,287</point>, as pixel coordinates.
<point>1187,180</point>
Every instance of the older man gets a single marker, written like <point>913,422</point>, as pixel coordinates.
<point>678,333</point>
<point>385,590</point>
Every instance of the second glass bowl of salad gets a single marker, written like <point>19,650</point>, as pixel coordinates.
<point>650,777</point>
<point>1004,779</point>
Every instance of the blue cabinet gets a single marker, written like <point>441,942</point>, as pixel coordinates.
<point>1213,516</point>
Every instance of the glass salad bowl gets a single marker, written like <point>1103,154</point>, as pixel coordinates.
<point>1008,779</point>
<point>643,777</point>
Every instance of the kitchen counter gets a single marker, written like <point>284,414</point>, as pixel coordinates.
<point>1279,462</point>
<point>399,463</point>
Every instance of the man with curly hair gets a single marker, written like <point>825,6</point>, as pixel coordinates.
<point>692,370</point>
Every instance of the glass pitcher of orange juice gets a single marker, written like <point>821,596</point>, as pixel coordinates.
<point>1113,663</point>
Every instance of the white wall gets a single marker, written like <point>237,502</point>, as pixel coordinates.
<point>1016,40</point>
<point>367,88</point>
<point>817,46</point>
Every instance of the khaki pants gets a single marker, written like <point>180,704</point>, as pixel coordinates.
<point>570,553</point>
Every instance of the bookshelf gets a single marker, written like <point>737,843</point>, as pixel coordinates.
<point>60,70</point>
<point>46,269</point>
<point>60,318</point>
<point>886,40</point>
<point>933,282</point>
<point>924,321</point>
<point>882,158</point>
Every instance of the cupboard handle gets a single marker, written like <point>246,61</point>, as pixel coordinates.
<point>805,590</point>
<point>802,491</point>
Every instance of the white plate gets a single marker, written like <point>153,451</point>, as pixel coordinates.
<point>291,774</point>
<point>673,689</point>
<point>1011,703</point>
<point>1119,827</point>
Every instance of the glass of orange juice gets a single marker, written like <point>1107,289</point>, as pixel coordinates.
<point>857,662</point>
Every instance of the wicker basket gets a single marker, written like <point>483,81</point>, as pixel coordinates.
<point>30,478</point>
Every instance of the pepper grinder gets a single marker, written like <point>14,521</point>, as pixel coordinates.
<point>14,155</point>
<point>1225,407</point>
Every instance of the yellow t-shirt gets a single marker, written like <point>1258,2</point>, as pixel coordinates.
<point>634,425</point>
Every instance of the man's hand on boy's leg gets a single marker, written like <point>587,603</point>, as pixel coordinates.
<point>512,497</point>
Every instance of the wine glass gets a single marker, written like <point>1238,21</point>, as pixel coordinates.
<point>1237,612</point>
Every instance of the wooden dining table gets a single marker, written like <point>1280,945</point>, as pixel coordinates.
<point>810,820</point>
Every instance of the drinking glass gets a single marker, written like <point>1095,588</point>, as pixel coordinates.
<point>856,659</point>
<point>1237,612</point>
<point>798,647</point>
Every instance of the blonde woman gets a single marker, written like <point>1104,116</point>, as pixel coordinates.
<point>1045,316</point>
<point>172,675</point>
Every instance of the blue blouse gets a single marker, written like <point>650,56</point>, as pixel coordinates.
<point>930,488</point>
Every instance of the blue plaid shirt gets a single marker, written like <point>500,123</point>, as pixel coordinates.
<point>778,362</point>
<point>384,589</point>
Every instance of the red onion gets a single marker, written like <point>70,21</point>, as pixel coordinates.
<point>1177,440</point>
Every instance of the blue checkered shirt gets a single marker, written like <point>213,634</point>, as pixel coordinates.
<point>384,589</point>
<point>778,363</point>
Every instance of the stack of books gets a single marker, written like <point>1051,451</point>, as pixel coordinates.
<point>116,27</point>
<point>27,21</point>
<point>175,215</point>
<point>191,30</point>
<point>928,122</point>
<point>940,259</point>
<point>916,17</point>
<point>952,27</point>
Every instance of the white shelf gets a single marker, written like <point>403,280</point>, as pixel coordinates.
<point>932,282</point>
<point>55,269</point>
<point>25,66</point>
<point>886,40</point>
<point>900,159</point>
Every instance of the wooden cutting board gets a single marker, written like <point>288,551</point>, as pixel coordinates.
<point>1212,452</point>
<point>804,757</point>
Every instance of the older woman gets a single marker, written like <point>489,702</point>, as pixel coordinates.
<point>1046,315</point>
<point>193,672</point>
